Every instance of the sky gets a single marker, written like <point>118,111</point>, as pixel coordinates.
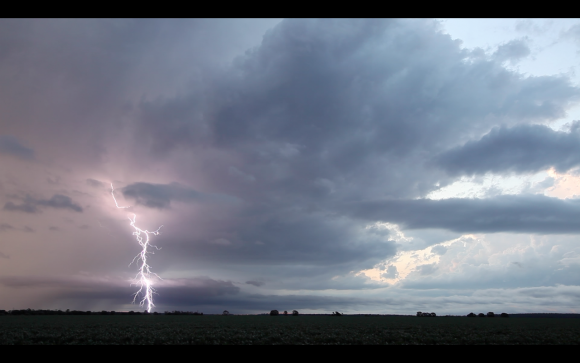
<point>380,166</point>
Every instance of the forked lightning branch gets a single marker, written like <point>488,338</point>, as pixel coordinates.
<point>144,276</point>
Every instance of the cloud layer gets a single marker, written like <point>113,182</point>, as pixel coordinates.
<point>11,146</point>
<point>520,149</point>
<point>505,213</point>
<point>160,196</point>
<point>34,205</point>
<point>282,157</point>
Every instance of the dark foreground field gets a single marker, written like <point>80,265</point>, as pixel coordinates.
<point>285,330</point>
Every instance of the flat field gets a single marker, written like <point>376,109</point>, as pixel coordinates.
<point>208,329</point>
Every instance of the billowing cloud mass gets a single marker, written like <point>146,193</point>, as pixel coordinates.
<point>520,149</point>
<point>289,162</point>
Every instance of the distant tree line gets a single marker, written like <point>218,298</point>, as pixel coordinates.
<point>276,312</point>
<point>176,312</point>
<point>488,315</point>
<point>426,315</point>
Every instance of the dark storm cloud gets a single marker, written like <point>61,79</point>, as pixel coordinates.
<point>524,148</point>
<point>33,205</point>
<point>505,213</point>
<point>295,243</point>
<point>330,111</point>
<point>11,146</point>
<point>323,107</point>
<point>313,82</point>
<point>161,195</point>
<point>512,51</point>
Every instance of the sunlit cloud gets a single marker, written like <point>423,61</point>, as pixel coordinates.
<point>566,185</point>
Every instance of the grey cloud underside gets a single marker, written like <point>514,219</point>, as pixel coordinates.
<point>161,195</point>
<point>506,213</point>
<point>11,146</point>
<point>520,149</point>
<point>34,205</point>
<point>310,244</point>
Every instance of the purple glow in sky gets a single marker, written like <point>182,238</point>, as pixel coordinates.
<point>359,165</point>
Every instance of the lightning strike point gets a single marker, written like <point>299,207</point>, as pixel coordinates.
<point>143,277</point>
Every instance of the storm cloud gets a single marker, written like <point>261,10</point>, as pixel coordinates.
<point>299,124</point>
<point>505,213</point>
<point>161,195</point>
<point>34,205</point>
<point>287,156</point>
<point>520,149</point>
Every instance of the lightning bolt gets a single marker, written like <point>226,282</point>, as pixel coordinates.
<point>143,277</point>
